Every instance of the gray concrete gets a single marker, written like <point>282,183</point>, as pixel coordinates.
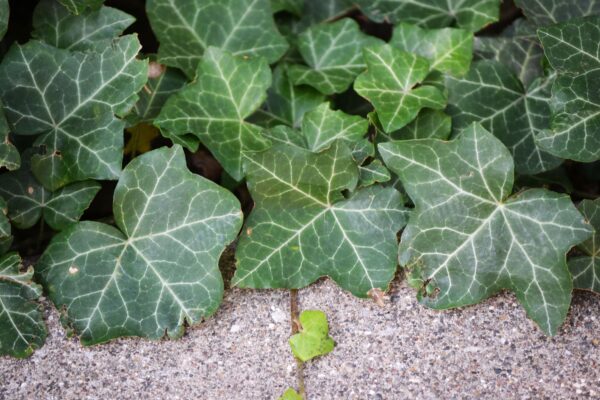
<point>401,351</point>
<point>488,351</point>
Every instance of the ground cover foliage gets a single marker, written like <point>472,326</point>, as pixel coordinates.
<point>455,141</point>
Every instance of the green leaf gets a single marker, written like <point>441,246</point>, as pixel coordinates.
<point>9,155</point>
<point>333,55</point>
<point>302,227</point>
<point>468,14</point>
<point>286,103</point>
<point>548,12</point>
<point>71,100</point>
<point>493,96</point>
<point>4,14</point>
<point>292,6</point>
<point>93,29</point>
<point>572,49</point>
<point>22,328</point>
<point>586,268</point>
<point>429,124</point>
<point>157,270</point>
<point>163,82</point>
<point>313,339</point>
<point>78,6</point>
<point>322,126</point>
<point>28,201</point>
<point>290,394</point>
<point>449,50</point>
<point>187,28</point>
<point>214,108</point>
<point>467,238</point>
<point>389,84</point>
<point>518,48</point>
<point>373,173</point>
<point>5,229</point>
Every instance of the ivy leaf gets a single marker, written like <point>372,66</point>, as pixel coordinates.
<point>322,126</point>
<point>78,6</point>
<point>5,228</point>
<point>316,12</point>
<point>22,328</point>
<point>373,173</point>
<point>28,201</point>
<point>572,49</point>
<point>449,50</point>
<point>9,155</point>
<point>468,238</point>
<point>389,84</point>
<point>93,29</point>
<point>518,48</point>
<point>586,268</point>
<point>187,28</point>
<point>429,124</point>
<point>549,12</point>
<point>468,14</point>
<point>4,13</point>
<point>290,394</point>
<point>493,96</point>
<point>302,227</point>
<point>162,83</point>
<point>214,108</point>
<point>71,100</point>
<point>292,6</point>
<point>333,54</point>
<point>158,269</point>
<point>286,103</point>
<point>313,340</point>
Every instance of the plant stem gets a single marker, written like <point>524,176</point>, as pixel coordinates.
<point>295,328</point>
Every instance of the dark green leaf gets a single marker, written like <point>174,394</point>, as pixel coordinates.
<point>468,238</point>
<point>548,12</point>
<point>586,268</point>
<point>158,270</point>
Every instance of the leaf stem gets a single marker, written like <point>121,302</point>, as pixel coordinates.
<point>295,329</point>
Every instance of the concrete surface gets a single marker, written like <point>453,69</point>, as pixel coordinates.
<point>404,350</point>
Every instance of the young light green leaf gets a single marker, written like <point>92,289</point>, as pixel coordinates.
<point>93,29</point>
<point>549,12</point>
<point>389,84</point>
<point>163,82</point>
<point>333,54</point>
<point>158,270</point>
<point>586,268</point>
<point>4,13</point>
<point>449,50</point>
<point>468,238</point>
<point>468,14</point>
<point>518,48</point>
<point>71,100</point>
<point>9,155</point>
<point>572,49</point>
<point>214,108</point>
<point>313,340</point>
<point>186,28</point>
<point>291,394</point>
<point>302,227</point>
<point>493,96</point>
<point>28,201</point>
<point>286,103</point>
<point>79,6</point>
<point>22,329</point>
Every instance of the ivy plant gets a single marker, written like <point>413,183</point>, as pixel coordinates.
<point>443,138</point>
